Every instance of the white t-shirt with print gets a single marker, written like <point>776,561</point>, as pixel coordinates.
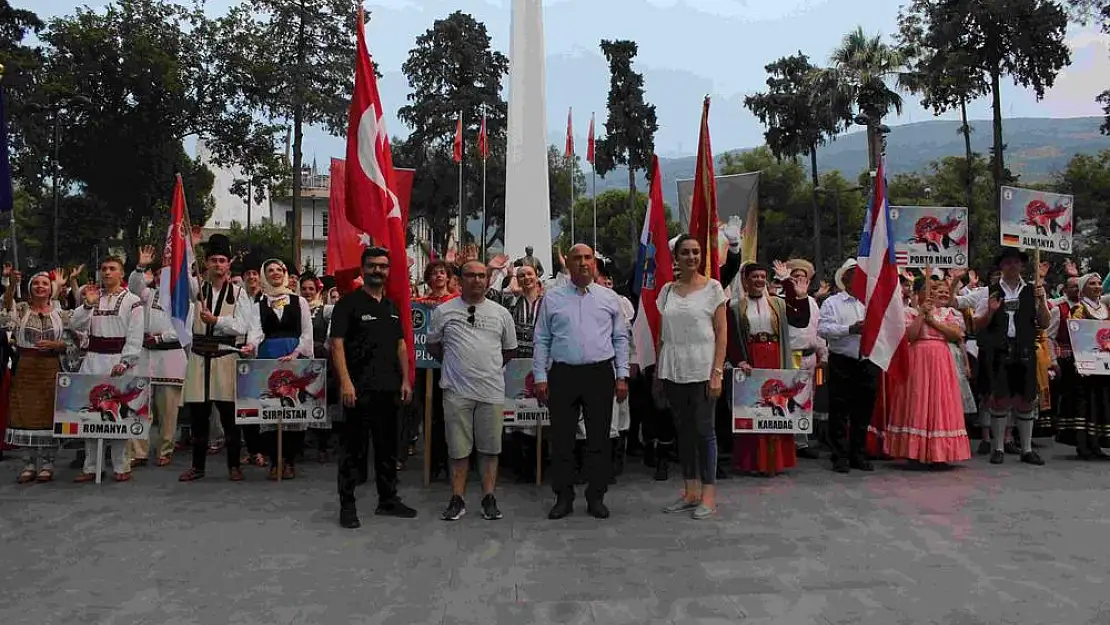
<point>472,364</point>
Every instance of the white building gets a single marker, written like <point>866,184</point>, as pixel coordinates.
<point>228,206</point>
<point>315,194</point>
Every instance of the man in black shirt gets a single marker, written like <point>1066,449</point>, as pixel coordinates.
<point>371,362</point>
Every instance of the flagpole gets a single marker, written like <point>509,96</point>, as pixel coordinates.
<point>459,244</point>
<point>484,158</point>
<point>594,193</point>
<point>570,175</point>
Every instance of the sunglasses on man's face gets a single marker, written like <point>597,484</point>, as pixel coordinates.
<point>470,311</point>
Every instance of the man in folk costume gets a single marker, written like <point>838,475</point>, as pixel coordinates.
<point>807,349</point>
<point>1066,384</point>
<point>162,359</point>
<point>255,452</point>
<point>1007,348</point>
<point>223,318</point>
<point>853,381</point>
<point>759,338</point>
<point>114,319</point>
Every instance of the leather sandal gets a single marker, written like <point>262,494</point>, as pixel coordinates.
<point>122,477</point>
<point>165,461</point>
<point>190,475</point>
<point>25,477</point>
<point>44,476</point>
<point>85,477</point>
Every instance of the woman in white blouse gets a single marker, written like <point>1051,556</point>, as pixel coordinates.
<point>286,323</point>
<point>692,340</point>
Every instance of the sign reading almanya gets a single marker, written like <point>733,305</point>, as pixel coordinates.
<point>1036,220</point>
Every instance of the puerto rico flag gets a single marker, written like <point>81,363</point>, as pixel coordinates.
<point>177,258</point>
<point>876,283</point>
<point>654,268</point>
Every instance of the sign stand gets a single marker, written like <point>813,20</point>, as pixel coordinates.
<point>100,459</point>
<point>427,427</point>
<point>539,452</point>
<point>280,458</point>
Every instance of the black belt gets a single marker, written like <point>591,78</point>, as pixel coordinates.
<point>809,351</point>
<point>106,345</point>
<point>763,337</point>
<point>599,363</point>
<point>153,344</point>
<point>210,346</point>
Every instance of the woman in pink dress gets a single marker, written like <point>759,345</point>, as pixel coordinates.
<point>927,415</point>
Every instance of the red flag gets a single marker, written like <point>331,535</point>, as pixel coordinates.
<point>372,199</point>
<point>483,140</point>
<point>590,143</point>
<point>703,208</point>
<point>654,268</point>
<point>569,153</point>
<point>458,147</point>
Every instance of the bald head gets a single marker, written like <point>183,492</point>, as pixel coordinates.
<point>581,265</point>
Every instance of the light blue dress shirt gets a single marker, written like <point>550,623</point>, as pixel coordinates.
<point>578,328</point>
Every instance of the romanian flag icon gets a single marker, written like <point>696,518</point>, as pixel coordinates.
<point>66,428</point>
<point>1010,239</point>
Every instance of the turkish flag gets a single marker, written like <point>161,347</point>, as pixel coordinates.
<point>373,205</point>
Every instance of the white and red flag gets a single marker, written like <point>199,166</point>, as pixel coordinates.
<point>876,284</point>
<point>590,140</point>
<point>483,139</point>
<point>372,201</point>
<point>457,146</point>
<point>654,268</point>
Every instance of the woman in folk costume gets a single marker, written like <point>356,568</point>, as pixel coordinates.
<point>312,289</point>
<point>877,445</point>
<point>759,338</point>
<point>115,320</point>
<point>1046,358</point>
<point>926,410</point>
<point>286,323</point>
<point>1092,391</point>
<point>942,296</point>
<point>807,349</point>
<point>37,326</point>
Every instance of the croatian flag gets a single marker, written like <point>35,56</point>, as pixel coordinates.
<point>177,258</point>
<point>654,268</point>
<point>876,283</point>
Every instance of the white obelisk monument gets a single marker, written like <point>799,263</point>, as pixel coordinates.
<point>527,202</point>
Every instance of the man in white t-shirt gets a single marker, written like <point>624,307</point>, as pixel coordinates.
<point>473,337</point>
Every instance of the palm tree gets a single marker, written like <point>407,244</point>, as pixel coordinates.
<point>862,68</point>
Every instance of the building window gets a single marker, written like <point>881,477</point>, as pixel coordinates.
<point>323,263</point>
<point>324,221</point>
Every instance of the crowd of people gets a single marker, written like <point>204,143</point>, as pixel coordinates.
<point>988,359</point>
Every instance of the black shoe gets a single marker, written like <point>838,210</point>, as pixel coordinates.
<point>348,518</point>
<point>809,453</point>
<point>841,465</point>
<point>1011,449</point>
<point>455,509</point>
<point>998,457</point>
<point>1033,458</point>
<point>597,509</point>
<point>984,448</point>
<point>862,464</point>
<point>564,507</point>
<point>722,473</point>
<point>489,508</point>
<point>79,461</point>
<point>661,472</point>
<point>395,508</point>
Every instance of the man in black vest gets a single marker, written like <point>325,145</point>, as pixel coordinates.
<point>1007,348</point>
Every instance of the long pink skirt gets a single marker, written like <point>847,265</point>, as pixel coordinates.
<point>926,413</point>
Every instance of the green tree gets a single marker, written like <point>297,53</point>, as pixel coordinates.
<point>862,68</point>
<point>558,176</point>
<point>28,136</point>
<point>1087,177</point>
<point>267,240</point>
<point>630,128</point>
<point>1085,11</point>
<point>453,68</point>
<point>293,60</point>
<point>799,117</point>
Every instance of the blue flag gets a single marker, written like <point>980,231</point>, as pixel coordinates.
<point>7,201</point>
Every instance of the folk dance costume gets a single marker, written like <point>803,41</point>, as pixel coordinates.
<point>1070,425</point>
<point>163,360</point>
<point>286,325</point>
<point>807,349</point>
<point>31,415</point>
<point>1007,348</point>
<point>853,381</point>
<point>759,334</point>
<point>1091,431</point>
<point>211,373</point>
<point>115,326</point>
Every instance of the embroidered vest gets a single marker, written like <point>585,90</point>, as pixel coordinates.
<point>1025,322</point>
<point>286,327</point>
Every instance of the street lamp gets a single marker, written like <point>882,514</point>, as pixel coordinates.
<point>836,207</point>
<point>57,107</point>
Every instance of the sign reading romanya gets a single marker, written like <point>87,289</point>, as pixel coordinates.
<point>421,320</point>
<point>1036,220</point>
<point>772,401</point>
<point>100,406</point>
<point>269,391</point>
<point>929,236</point>
<point>1090,343</point>
<point>521,407</point>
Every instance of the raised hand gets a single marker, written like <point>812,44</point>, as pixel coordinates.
<point>91,294</point>
<point>782,271</point>
<point>146,255</point>
<point>1043,269</point>
<point>1070,269</point>
<point>824,290</point>
<point>499,262</point>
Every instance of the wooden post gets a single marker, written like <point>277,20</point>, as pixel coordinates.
<point>100,458</point>
<point>539,451</point>
<point>280,459</point>
<point>427,427</point>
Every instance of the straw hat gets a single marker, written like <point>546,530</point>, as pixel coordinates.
<point>851,263</point>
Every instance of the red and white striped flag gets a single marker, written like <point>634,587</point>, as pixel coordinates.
<point>654,268</point>
<point>876,283</point>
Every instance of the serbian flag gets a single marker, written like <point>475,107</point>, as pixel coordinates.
<point>177,258</point>
<point>590,143</point>
<point>876,283</point>
<point>457,148</point>
<point>373,203</point>
<point>654,268</point>
<point>569,149</point>
<point>483,139</point>
<point>703,207</point>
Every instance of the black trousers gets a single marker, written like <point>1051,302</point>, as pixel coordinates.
<point>853,385</point>
<point>588,388</point>
<point>252,439</point>
<point>376,417</point>
<point>292,444</point>
<point>658,425</point>
<point>199,413</point>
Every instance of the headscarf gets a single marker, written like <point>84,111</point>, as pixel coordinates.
<point>1092,303</point>
<point>49,275</point>
<point>271,290</point>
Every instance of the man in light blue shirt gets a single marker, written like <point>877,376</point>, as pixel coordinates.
<point>579,362</point>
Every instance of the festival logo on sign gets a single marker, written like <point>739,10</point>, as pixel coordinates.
<point>772,401</point>
<point>290,390</point>
<point>100,406</point>
<point>1090,343</point>
<point>1036,220</point>
<point>929,236</point>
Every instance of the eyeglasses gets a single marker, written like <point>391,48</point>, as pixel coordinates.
<point>377,265</point>
<point>470,311</point>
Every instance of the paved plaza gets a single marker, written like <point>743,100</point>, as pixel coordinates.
<point>974,545</point>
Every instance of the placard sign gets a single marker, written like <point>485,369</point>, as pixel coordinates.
<point>1090,344</point>
<point>521,408</point>
<point>88,405</point>
<point>421,321</point>
<point>772,401</point>
<point>269,391</point>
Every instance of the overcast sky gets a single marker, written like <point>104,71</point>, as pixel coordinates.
<point>687,48</point>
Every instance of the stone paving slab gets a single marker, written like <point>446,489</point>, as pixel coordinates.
<point>976,545</point>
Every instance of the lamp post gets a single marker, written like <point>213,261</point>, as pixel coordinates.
<point>836,207</point>
<point>58,107</point>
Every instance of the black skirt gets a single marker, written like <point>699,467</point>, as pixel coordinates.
<point>1091,412</point>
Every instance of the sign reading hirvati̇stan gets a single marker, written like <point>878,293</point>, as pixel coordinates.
<point>772,401</point>
<point>90,405</point>
<point>269,391</point>
<point>1090,344</point>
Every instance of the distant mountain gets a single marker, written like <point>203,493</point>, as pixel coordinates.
<point>1036,149</point>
